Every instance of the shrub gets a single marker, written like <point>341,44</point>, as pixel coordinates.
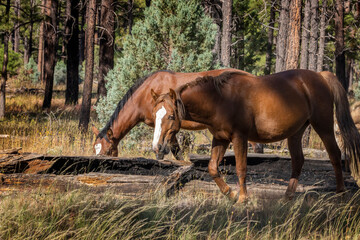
<point>174,35</point>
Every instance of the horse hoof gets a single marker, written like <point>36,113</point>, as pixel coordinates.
<point>233,196</point>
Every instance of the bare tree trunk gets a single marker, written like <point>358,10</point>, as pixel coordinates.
<point>5,40</point>
<point>313,35</point>
<point>72,47</point>
<point>321,51</point>
<point>50,29</point>
<point>282,36</point>
<point>29,45</point>
<point>41,45</point>
<point>305,37</point>
<point>226,33</point>
<point>339,43</point>
<point>106,51</point>
<point>17,30</point>
<point>293,45</point>
<point>89,66</point>
<point>270,40</point>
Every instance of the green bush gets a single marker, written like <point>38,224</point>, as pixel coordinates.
<point>174,35</point>
<point>14,61</point>
<point>31,68</point>
<point>60,73</point>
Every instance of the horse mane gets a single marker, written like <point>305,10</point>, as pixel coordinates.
<point>124,100</point>
<point>218,81</point>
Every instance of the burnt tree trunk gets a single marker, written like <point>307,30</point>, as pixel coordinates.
<point>270,40</point>
<point>72,47</point>
<point>282,36</point>
<point>226,32</point>
<point>305,37</point>
<point>321,49</point>
<point>293,45</point>
<point>313,44</point>
<point>89,66</point>
<point>106,51</point>
<point>49,50</point>
<point>339,43</point>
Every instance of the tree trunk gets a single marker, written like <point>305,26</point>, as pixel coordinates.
<point>4,75</point>
<point>50,38</point>
<point>270,39</point>
<point>321,50</point>
<point>313,45</point>
<point>106,51</point>
<point>28,49</point>
<point>305,37</point>
<point>17,30</point>
<point>339,43</point>
<point>41,45</point>
<point>293,45</point>
<point>5,40</point>
<point>282,36</point>
<point>226,33</point>
<point>72,48</point>
<point>89,66</point>
<point>82,33</point>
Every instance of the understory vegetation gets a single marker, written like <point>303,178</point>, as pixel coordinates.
<point>80,214</point>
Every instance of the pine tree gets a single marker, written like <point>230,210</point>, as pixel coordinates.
<point>174,35</point>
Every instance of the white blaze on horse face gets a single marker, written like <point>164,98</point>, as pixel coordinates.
<point>157,132</point>
<point>97,148</point>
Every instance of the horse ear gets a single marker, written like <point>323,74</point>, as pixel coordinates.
<point>95,130</point>
<point>172,94</point>
<point>154,95</point>
<point>109,134</point>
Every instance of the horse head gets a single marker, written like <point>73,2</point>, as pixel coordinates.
<point>105,145</point>
<point>168,113</point>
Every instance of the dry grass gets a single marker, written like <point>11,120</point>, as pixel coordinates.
<point>80,214</point>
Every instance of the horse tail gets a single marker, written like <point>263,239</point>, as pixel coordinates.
<point>348,130</point>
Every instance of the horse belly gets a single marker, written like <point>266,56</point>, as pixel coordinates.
<point>278,125</point>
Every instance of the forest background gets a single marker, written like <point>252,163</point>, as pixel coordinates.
<point>85,55</point>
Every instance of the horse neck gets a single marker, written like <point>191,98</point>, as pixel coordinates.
<point>127,118</point>
<point>195,110</point>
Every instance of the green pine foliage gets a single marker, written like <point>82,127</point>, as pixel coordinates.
<point>14,61</point>
<point>174,35</point>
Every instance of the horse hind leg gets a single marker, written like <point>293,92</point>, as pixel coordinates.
<point>297,161</point>
<point>326,134</point>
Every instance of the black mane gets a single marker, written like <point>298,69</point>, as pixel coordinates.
<point>123,101</point>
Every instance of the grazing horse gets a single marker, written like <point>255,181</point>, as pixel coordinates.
<point>237,107</point>
<point>136,106</point>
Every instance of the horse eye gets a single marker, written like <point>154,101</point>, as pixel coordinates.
<point>171,117</point>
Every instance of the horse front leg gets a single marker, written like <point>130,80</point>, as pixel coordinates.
<point>217,153</point>
<point>240,150</point>
<point>176,150</point>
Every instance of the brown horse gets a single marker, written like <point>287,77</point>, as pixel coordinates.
<point>136,106</point>
<point>237,107</point>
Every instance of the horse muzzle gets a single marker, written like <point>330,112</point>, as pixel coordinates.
<point>161,151</point>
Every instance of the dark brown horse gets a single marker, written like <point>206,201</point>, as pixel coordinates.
<point>237,107</point>
<point>136,106</point>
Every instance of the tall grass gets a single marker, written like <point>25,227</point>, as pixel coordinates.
<point>79,214</point>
